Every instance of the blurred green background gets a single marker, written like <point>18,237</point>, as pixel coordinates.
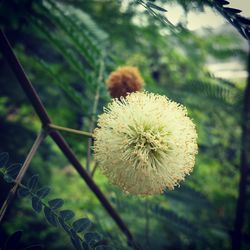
<point>61,45</point>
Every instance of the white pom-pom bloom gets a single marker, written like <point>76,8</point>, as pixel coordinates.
<point>145,143</point>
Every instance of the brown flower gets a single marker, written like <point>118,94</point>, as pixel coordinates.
<point>123,81</point>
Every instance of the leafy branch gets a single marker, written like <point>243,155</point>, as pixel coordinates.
<point>156,11</point>
<point>80,231</point>
<point>241,23</point>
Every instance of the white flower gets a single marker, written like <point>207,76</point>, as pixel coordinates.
<point>145,143</point>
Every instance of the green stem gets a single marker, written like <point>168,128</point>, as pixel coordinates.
<point>94,169</point>
<point>42,134</point>
<point>94,111</point>
<point>147,223</point>
<point>74,131</point>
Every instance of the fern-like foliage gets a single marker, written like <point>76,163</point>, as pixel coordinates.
<point>157,12</point>
<point>80,231</point>
<point>157,210</point>
<point>241,23</point>
<point>81,51</point>
<point>187,195</point>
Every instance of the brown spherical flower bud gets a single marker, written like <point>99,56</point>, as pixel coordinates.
<point>123,81</point>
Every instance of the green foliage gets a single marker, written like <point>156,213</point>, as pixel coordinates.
<point>52,212</point>
<point>241,23</point>
<point>156,11</point>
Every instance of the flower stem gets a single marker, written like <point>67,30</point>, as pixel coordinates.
<point>94,169</point>
<point>94,111</point>
<point>147,225</point>
<point>74,131</point>
<point>40,137</point>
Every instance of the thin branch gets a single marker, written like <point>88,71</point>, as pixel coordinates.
<point>74,131</point>
<point>67,151</point>
<point>244,168</point>
<point>22,172</point>
<point>94,111</point>
<point>17,68</point>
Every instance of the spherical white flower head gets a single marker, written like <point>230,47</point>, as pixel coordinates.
<point>145,143</point>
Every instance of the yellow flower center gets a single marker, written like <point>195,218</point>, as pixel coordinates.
<point>146,144</point>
